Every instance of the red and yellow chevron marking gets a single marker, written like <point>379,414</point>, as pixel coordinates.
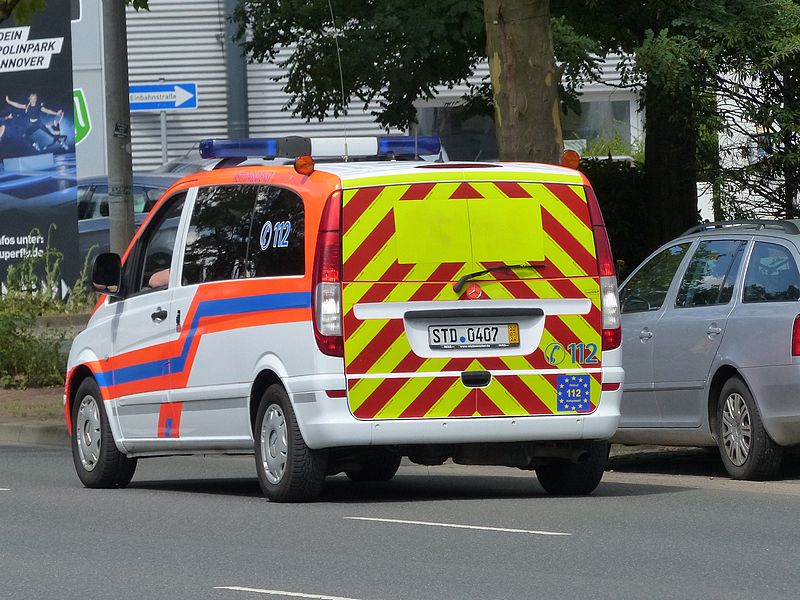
<point>369,244</point>
<point>379,346</point>
<point>431,387</point>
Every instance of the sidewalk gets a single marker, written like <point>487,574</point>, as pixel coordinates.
<point>34,416</point>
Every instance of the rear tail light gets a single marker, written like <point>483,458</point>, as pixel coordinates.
<point>609,296</point>
<point>327,280</point>
<point>796,337</point>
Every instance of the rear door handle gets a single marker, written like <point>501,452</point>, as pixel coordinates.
<point>714,330</point>
<point>645,334</point>
<point>159,315</point>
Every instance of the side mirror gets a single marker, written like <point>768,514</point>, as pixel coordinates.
<point>107,273</point>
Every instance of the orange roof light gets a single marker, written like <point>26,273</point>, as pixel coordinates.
<point>570,159</point>
<point>304,164</point>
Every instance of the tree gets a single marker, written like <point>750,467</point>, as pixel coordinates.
<point>395,53</point>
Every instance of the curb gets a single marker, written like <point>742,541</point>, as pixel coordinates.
<point>40,434</point>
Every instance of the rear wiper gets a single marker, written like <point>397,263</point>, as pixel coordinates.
<point>459,285</point>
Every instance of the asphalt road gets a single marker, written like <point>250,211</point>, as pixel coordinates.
<point>197,528</point>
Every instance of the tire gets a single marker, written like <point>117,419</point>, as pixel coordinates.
<point>98,462</point>
<point>565,478</point>
<point>746,449</point>
<point>288,470</point>
<point>380,465</point>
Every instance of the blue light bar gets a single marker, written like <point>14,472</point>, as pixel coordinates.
<point>391,146</point>
<point>239,148</point>
<point>408,145</point>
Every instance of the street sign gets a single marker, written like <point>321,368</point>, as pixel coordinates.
<point>163,96</point>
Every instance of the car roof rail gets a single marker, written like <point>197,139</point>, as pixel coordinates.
<point>786,226</point>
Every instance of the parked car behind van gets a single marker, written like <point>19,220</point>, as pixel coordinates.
<point>711,330</point>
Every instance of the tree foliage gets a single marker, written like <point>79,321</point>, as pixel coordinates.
<point>392,53</point>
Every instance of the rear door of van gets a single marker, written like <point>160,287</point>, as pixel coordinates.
<point>512,341</point>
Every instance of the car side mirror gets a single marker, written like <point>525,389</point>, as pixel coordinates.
<point>107,273</point>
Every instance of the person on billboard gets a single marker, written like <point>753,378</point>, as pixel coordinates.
<point>33,112</point>
<point>55,129</point>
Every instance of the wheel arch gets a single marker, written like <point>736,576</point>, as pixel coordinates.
<point>75,378</point>
<point>263,380</point>
<point>722,374</point>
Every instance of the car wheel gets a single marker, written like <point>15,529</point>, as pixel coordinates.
<point>745,446</point>
<point>98,462</point>
<point>379,465</point>
<point>288,470</point>
<point>565,478</point>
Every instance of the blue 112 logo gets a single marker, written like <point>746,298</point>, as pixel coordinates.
<point>276,236</point>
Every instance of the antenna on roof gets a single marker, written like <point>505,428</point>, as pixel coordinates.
<point>341,77</point>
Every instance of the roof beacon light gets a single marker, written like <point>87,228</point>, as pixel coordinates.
<point>390,146</point>
<point>570,159</point>
<point>238,148</point>
<point>408,145</point>
<point>304,164</point>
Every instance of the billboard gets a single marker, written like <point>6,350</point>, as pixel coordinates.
<point>38,190</point>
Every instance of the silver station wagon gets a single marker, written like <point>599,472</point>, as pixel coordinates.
<point>711,345</point>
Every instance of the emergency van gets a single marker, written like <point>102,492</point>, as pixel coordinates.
<point>336,317</point>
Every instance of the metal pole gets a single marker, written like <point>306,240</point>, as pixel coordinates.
<point>236,79</point>
<point>118,124</point>
<point>164,153</point>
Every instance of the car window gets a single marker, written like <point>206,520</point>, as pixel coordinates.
<point>771,275</point>
<point>647,288</point>
<point>711,274</point>
<point>277,238</point>
<point>216,245</point>
<point>100,201</point>
<point>158,246</point>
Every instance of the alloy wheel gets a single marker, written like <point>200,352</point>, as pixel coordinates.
<point>274,445</point>
<point>88,433</point>
<point>736,429</point>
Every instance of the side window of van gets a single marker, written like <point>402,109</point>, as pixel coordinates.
<point>219,231</point>
<point>153,259</point>
<point>277,239</point>
<point>771,275</point>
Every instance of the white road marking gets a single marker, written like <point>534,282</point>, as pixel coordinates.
<point>236,588</point>
<point>4,490</point>
<point>457,526</point>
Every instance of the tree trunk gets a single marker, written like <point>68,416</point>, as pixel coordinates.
<point>670,163</point>
<point>524,79</point>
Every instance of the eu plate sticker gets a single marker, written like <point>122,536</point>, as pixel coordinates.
<point>574,392</point>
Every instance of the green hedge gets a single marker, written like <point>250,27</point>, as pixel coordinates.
<point>620,189</point>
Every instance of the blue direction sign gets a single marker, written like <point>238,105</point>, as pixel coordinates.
<point>163,96</point>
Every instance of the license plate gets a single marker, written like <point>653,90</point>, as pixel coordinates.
<point>499,335</point>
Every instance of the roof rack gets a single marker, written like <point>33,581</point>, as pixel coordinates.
<point>787,226</point>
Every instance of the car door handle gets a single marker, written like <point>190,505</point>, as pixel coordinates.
<point>159,315</point>
<point>714,330</point>
<point>645,334</point>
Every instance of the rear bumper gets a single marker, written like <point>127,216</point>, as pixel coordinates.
<point>327,423</point>
<point>777,392</point>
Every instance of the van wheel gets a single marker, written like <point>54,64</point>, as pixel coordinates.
<point>379,465</point>
<point>97,460</point>
<point>288,470</point>
<point>564,478</point>
<point>745,446</point>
